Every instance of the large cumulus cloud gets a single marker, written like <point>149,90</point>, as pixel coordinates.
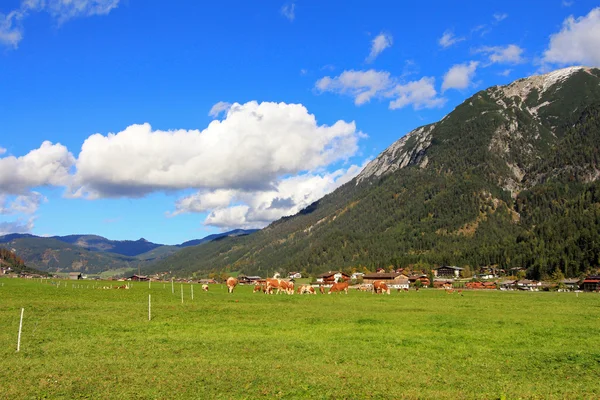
<point>248,150</point>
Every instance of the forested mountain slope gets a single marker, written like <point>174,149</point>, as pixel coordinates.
<point>508,178</point>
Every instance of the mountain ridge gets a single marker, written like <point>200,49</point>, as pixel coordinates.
<point>457,191</point>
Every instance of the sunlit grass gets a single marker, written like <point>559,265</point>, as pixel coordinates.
<point>96,343</point>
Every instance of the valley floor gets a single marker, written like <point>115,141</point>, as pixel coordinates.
<point>81,341</point>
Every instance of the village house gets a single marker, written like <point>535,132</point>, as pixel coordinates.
<point>443,283</point>
<point>357,275</point>
<point>526,284</point>
<point>332,277</point>
<point>394,280</point>
<point>294,275</point>
<point>419,277</point>
<point>75,276</point>
<point>448,272</point>
<point>507,284</point>
<point>571,283</point>
<point>591,283</point>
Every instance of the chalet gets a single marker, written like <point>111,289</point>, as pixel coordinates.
<point>394,280</point>
<point>447,272</point>
<point>571,283</point>
<point>207,281</point>
<point>526,284</point>
<point>357,275</point>
<point>591,283</point>
<point>294,275</point>
<point>75,275</point>
<point>507,284</point>
<point>419,277</point>
<point>332,276</point>
<point>387,277</point>
<point>443,283</point>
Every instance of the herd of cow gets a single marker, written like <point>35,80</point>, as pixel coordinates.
<point>276,285</point>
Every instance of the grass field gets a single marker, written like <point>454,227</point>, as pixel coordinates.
<point>94,343</point>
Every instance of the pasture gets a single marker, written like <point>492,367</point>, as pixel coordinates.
<point>94,343</point>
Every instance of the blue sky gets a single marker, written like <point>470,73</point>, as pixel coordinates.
<point>105,105</point>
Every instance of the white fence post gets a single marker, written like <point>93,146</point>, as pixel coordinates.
<point>20,328</point>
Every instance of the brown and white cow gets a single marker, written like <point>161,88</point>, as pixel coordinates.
<point>306,289</point>
<point>205,287</point>
<point>339,287</point>
<point>258,288</point>
<point>380,287</point>
<point>279,284</point>
<point>231,284</point>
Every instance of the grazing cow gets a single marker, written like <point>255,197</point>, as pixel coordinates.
<point>280,285</point>
<point>231,284</point>
<point>258,288</point>
<point>339,287</point>
<point>306,289</point>
<point>321,289</point>
<point>380,287</point>
<point>449,290</point>
<point>205,287</point>
<point>271,283</point>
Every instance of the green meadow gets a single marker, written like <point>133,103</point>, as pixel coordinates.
<point>86,342</point>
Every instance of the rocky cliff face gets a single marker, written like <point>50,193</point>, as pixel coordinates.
<point>520,123</point>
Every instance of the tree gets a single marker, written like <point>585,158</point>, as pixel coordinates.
<point>557,276</point>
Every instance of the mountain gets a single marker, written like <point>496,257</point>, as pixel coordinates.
<point>93,253</point>
<point>233,233</point>
<point>98,243</point>
<point>12,263</point>
<point>508,178</point>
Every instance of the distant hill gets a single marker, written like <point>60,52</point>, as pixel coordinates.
<point>93,253</point>
<point>10,261</point>
<point>233,233</point>
<point>509,178</point>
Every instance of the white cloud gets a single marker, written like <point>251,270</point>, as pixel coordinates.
<point>459,76</point>
<point>257,209</point>
<point>18,226</point>
<point>420,94</point>
<point>498,17</point>
<point>289,11</point>
<point>365,85</point>
<point>204,201</point>
<point>379,44</point>
<point>63,10</point>
<point>22,204</point>
<point>48,165</point>
<point>219,108</point>
<point>2,150</point>
<point>11,24</point>
<point>510,54</point>
<point>448,39</point>
<point>249,149</point>
<point>506,72</point>
<point>362,85</point>
<point>11,30</point>
<point>578,42</point>
<point>567,3</point>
